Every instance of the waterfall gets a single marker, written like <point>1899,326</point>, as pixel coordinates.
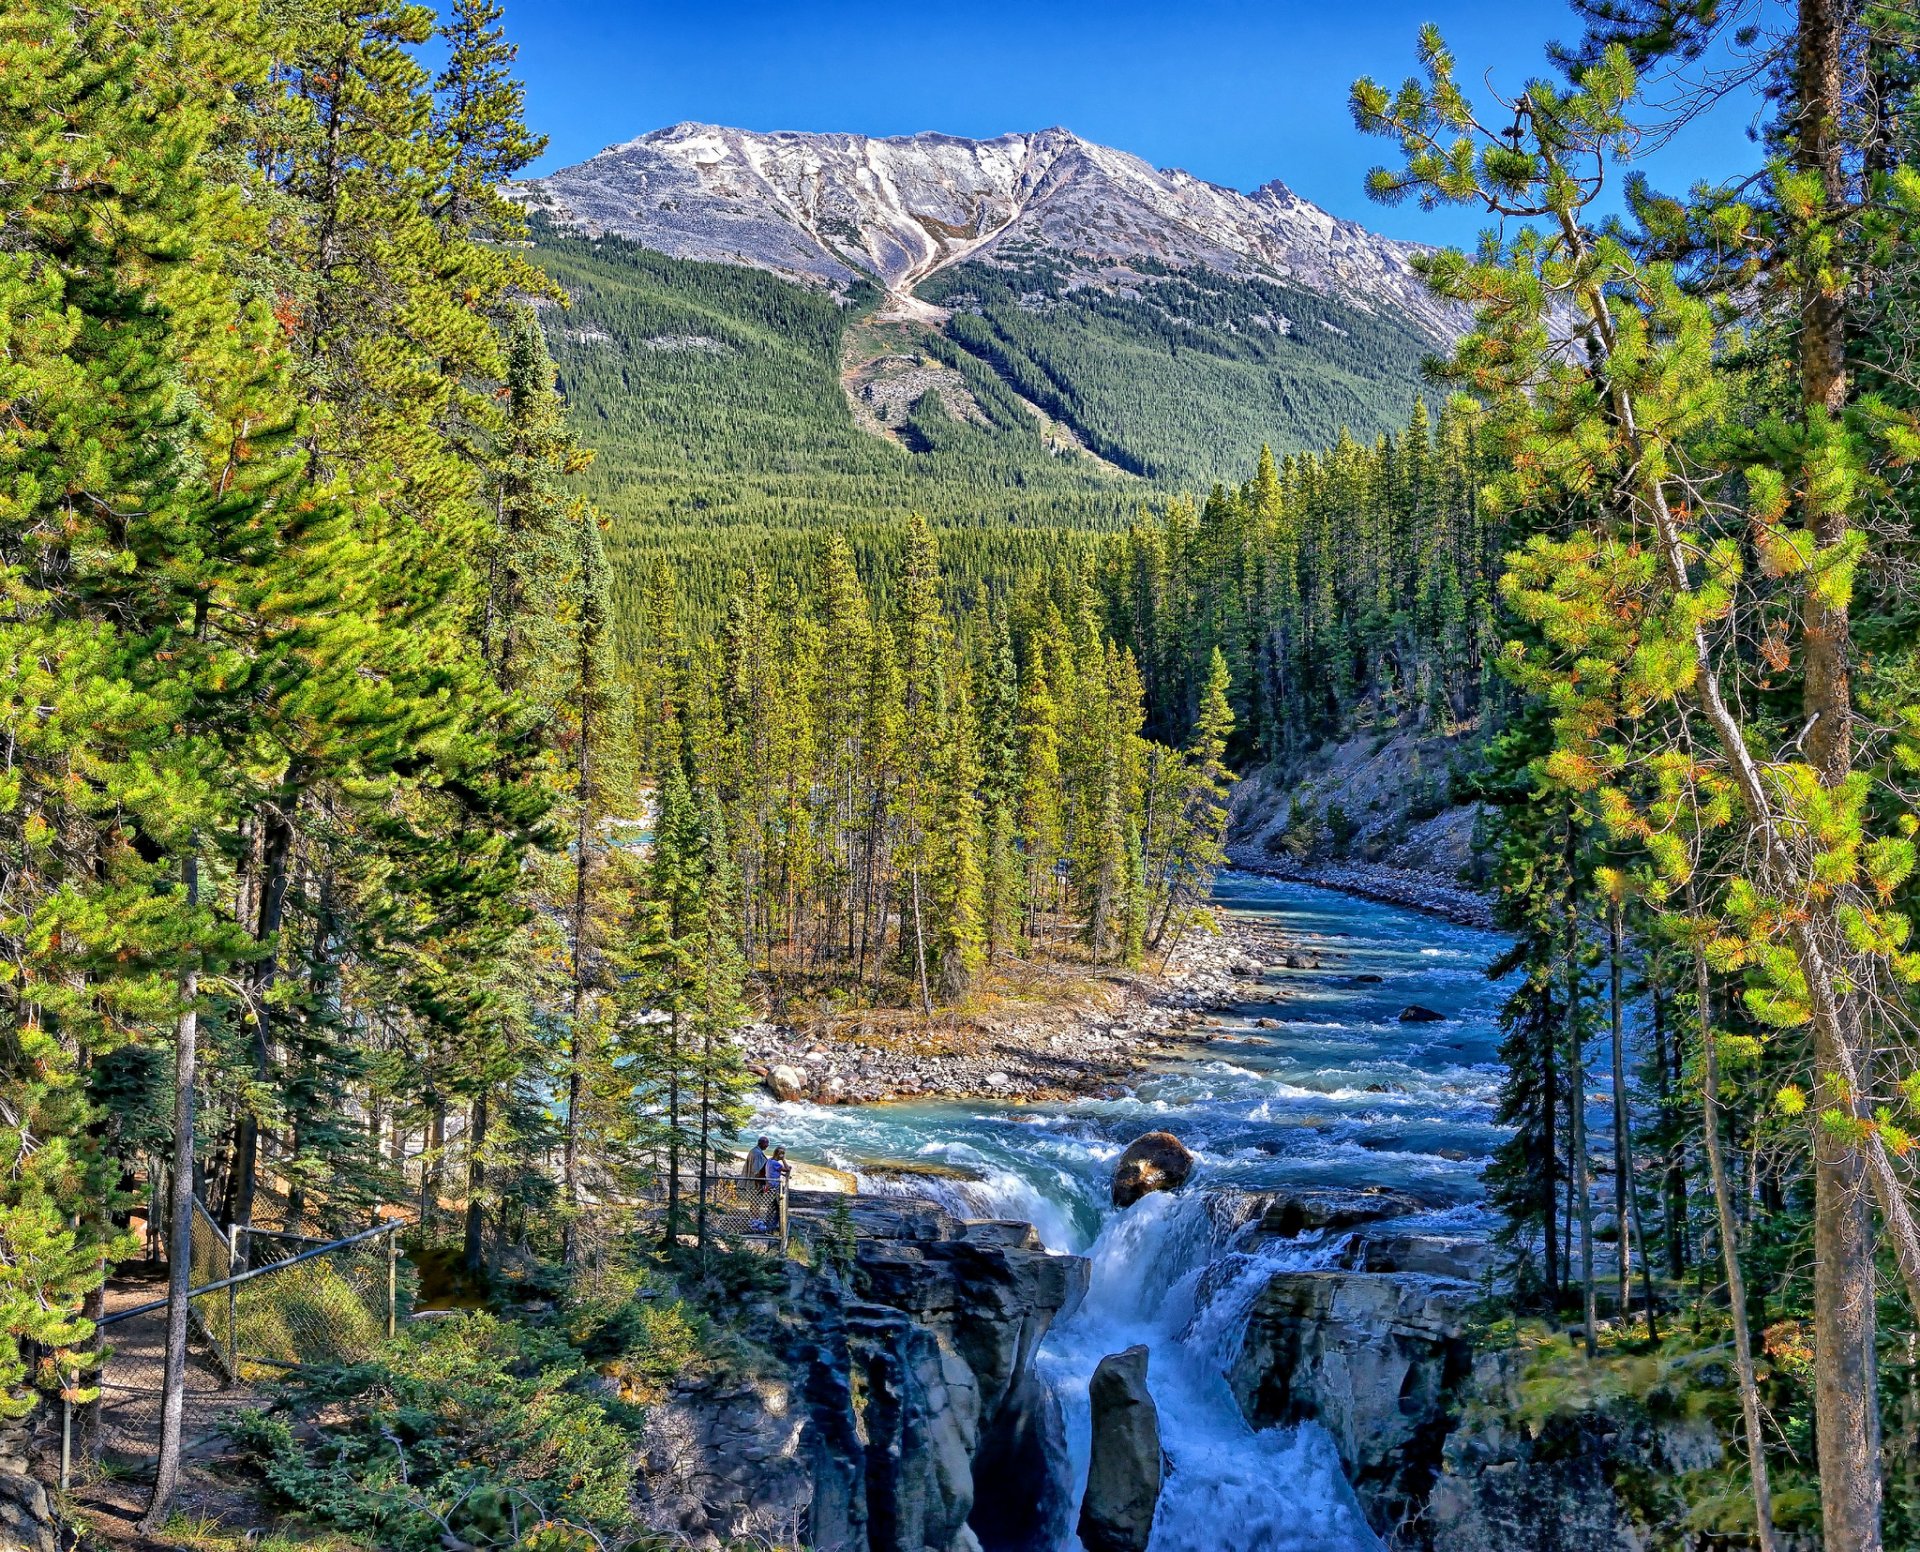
<point>1169,1274</point>
<point>1313,1084</point>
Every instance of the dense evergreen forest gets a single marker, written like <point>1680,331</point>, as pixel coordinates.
<point>324,757</point>
<point>456,677</point>
<point>713,397</point>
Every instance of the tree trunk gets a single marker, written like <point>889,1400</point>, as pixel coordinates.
<point>1625,1184</point>
<point>577,1011</point>
<point>430,1165</point>
<point>1550,1241</point>
<point>276,856</point>
<point>673,1129</point>
<point>1730,1254</point>
<point>173,1403</point>
<point>474,1249</point>
<point>920,947</point>
<point>1577,1099</point>
<point>1673,1197</point>
<point>1847,1422</point>
<point>1622,1182</point>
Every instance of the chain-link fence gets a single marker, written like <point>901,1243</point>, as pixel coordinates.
<point>283,1300</point>
<point>301,1301</point>
<point>738,1211</point>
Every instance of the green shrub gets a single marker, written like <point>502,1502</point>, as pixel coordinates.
<point>477,1428</point>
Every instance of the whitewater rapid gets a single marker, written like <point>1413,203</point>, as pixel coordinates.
<point>1315,1083</point>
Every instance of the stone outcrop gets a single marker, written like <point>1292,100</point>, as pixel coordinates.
<point>26,1515</point>
<point>1452,1450</point>
<point>785,1082</point>
<point>1376,1359</point>
<point>1327,1209</point>
<point>1123,1468</point>
<point>882,1393</point>
<point>29,1521</point>
<point>722,1460</point>
<point>1602,1475</point>
<point>1159,1161</point>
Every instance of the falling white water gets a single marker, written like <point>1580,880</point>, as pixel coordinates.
<point>1163,1276</point>
<point>1314,1084</point>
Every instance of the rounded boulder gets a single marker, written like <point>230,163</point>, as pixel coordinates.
<point>1159,1161</point>
<point>787,1082</point>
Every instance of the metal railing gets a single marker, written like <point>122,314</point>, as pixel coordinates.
<point>730,1208</point>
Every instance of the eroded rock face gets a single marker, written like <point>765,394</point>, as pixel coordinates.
<point>890,1388</point>
<point>26,1515</point>
<point>1446,1449</point>
<point>1599,1478</point>
<point>1123,1468</point>
<point>1376,1359</point>
<point>1159,1161</point>
<point>718,1460</point>
<point>1289,1214</point>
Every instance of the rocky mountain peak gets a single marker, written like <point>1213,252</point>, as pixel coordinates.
<point>836,209</point>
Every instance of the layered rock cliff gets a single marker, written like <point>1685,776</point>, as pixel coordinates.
<point>890,1384</point>
<point>1456,1442</point>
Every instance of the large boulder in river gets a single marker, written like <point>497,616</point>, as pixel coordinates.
<point>1158,1161</point>
<point>1413,1013</point>
<point>1123,1468</point>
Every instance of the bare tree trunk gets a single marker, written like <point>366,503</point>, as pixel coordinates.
<point>1847,1419</point>
<point>672,1235</point>
<point>1673,1195</point>
<point>1621,1181</point>
<point>1577,1102</point>
<point>1730,1255</point>
<point>1625,1185</point>
<point>430,1171</point>
<point>277,852</point>
<point>1551,1243</point>
<point>173,1403</point>
<point>577,1011</point>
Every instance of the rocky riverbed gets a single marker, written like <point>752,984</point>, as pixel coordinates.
<point>1089,1043</point>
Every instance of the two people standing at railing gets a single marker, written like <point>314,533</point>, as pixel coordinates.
<point>766,1175</point>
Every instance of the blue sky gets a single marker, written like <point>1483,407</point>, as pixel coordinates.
<point>1233,91</point>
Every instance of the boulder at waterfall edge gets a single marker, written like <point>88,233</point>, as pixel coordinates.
<point>1123,1468</point>
<point>1158,1161</point>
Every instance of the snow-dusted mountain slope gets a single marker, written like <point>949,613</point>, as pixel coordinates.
<point>833,208</point>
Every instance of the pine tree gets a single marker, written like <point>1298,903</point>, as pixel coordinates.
<point>1003,894</point>
<point>921,635</point>
<point>956,907</point>
<point>1038,820</point>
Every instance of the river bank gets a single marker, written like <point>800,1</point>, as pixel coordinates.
<point>1412,889</point>
<point>1068,1037</point>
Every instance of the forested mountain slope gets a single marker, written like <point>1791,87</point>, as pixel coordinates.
<point>1031,331</point>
